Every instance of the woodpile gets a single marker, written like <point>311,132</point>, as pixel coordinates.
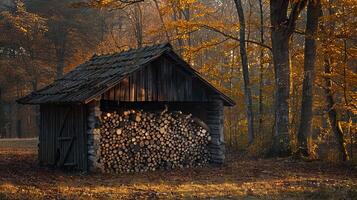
<point>138,141</point>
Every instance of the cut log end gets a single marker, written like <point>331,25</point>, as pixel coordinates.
<point>138,141</point>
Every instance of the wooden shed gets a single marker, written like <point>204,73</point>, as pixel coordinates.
<point>145,78</point>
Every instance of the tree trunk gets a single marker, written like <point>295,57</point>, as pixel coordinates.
<point>313,14</point>
<point>187,16</point>
<point>60,67</point>
<point>177,31</point>
<point>162,21</point>
<point>347,102</point>
<point>138,25</point>
<point>60,54</point>
<point>243,54</point>
<point>332,112</point>
<point>282,28</point>
<point>261,67</point>
<point>280,44</point>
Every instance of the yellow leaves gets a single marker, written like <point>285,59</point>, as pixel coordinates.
<point>103,4</point>
<point>188,1</point>
<point>183,4</point>
<point>25,22</point>
<point>215,24</point>
<point>182,24</point>
<point>23,29</point>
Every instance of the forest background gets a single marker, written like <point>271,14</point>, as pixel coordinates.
<point>289,65</point>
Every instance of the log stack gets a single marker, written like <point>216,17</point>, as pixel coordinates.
<point>138,141</point>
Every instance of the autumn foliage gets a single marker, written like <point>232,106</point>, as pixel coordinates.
<point>40,41</point>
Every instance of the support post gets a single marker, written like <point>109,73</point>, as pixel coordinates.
<point>93,132</point>
<point>215,121</point>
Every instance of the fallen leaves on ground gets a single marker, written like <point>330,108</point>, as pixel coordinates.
<point>22,178</point>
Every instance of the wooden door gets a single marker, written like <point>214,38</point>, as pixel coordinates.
<point>72,139</point>
<point>63,136</point>
<point>66,137</point>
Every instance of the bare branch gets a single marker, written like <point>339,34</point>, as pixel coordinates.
<point>235,38</point>
<point>210,45</point>
<point>297,7</point>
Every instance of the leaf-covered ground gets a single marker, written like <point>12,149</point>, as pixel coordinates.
<point>240,178</point>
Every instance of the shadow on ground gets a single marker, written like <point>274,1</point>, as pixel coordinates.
<point>240,178</point>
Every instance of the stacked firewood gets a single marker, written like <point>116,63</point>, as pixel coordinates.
<point>138,141</point>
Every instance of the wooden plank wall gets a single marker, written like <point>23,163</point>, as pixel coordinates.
<point>71,119</point>
<point>161,80</point>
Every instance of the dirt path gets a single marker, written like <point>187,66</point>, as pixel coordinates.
<point>22,178</point>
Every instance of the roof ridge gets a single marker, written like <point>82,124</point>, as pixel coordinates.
<point>132,50</point>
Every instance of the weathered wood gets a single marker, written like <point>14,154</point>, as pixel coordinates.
<point>67,150</point>
<point>129,81</point>
<point>215,122</point>
<point>101,76</point>
<point>170,83</point>
<point>59,124</point>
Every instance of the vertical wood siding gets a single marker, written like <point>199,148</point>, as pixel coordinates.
<point>161,80</point>
<point>63,139</point>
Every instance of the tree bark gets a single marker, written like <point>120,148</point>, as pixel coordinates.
<point>243,54</point>
<point>282,28</point>
<point>60,42</point>
<point>60,64</point>
<point>177,31</point>
<point>313,14</point>
<point>280,45</point>
<point>261,67</point>
<point>187,16</point>
<point>162,21</point>
<point>332,111</point>
<point>138,25</point>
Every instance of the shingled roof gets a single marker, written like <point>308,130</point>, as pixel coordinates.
<point>101,73</point>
